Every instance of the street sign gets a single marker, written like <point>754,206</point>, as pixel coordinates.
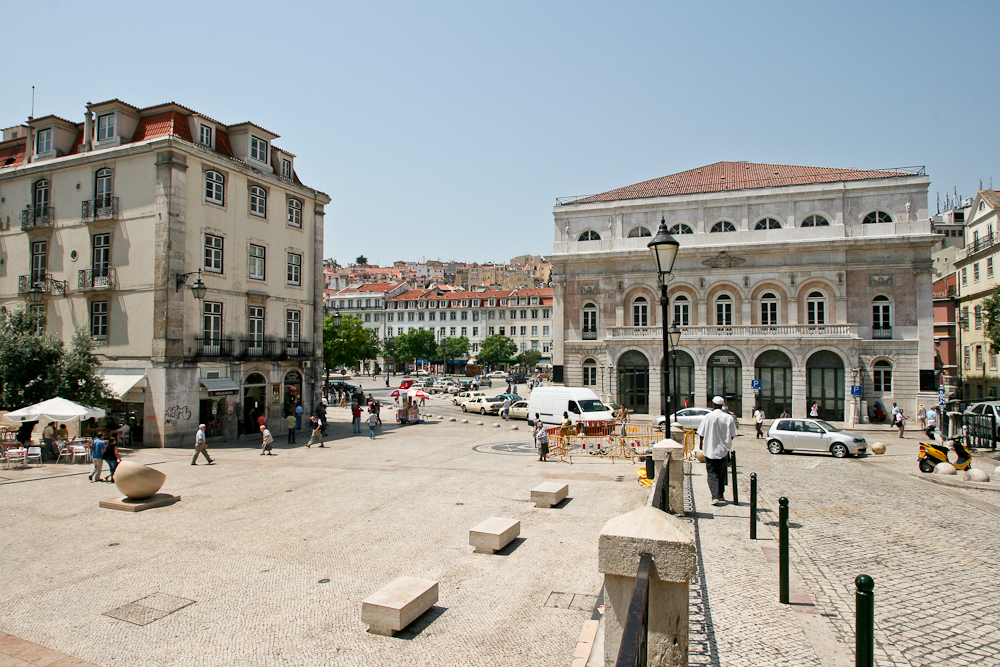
<point>856,390</point>
<point>941,396</point>
<point>755,385</point>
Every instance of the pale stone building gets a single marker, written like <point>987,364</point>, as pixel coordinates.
<point>108,223</point>
<point>808,280</point>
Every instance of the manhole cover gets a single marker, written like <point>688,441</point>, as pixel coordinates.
<point>324,581</point>
<point>517,448</point>
<point>148,609</point>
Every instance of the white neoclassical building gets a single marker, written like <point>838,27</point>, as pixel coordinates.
<point>805,280</point>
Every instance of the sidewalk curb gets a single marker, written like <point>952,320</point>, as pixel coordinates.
<point>955,483</point>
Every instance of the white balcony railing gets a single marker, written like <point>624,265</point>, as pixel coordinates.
<point>761,331</point>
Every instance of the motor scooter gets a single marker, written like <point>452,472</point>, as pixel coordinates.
<point>932,454</point>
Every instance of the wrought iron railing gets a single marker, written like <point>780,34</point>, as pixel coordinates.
<point>102,208</point>
<point>748,331</point>
<point>214,347</point>
<point>297,348</point>
<point>97,279</point>
<point>981,243</point>
<point>981,430</point>
<point>37,217</point>
<point>589,335</point>
<point>43,281</point>
<point>882,333</point>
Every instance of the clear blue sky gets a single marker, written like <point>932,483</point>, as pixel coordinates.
<point>447,129</point>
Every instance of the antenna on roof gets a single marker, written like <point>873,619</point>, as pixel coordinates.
<point>32,101</point>
<point>939,203</point>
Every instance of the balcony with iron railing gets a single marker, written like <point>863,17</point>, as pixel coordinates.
<point>104,278</point>
<point>981,243</point>
<point>214,348</point>
<point>43,281</point>
<point>273,350</point>
<point>753,331</point>
<point>590,334</point>
<point>102,208</point>
<point>37,217</point>
<point>882,333</point>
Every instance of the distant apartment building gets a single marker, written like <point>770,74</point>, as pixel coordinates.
<point>110,222</point>
<point>945,331</point>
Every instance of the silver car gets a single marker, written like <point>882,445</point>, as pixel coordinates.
<point>689,418</point>
<point>813,435</point>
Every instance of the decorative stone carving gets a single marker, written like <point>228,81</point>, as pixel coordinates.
<point>138,481</point>
<point>589,289</point>
<point>880,281</point>
<point>723,261</point>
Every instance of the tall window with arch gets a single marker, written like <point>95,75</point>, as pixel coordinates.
<point>589,373</point>
<point>724,310</point>
<point>40,198</point>
<point>769,309</point>
<point>816,308</point>
<point>590,235</point>
<point>881,317</point>
<point>102,188</point>
<point>589,321</point>
<point>682,310</point>
<point>882,376</point>
<point>640,312</point>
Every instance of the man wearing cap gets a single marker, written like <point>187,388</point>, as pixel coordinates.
<point>200,447</point>
<point>716,435</point>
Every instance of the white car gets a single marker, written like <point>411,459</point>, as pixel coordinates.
<point>420,372</point>
<point>519,410</point>
<point>482,404</point>
<point>466,396</point>
<point>497,374</point>
<point>689,418</point>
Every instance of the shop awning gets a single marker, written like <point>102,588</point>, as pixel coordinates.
<point>123,384</point>
<point>220,386</point>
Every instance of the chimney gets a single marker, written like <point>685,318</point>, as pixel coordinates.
<point>31,143</point>
<point>88,131</point>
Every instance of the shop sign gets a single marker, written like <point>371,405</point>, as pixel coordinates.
<point>224,392</point>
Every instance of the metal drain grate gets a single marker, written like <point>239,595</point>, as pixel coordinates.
<point>148,609</point>
<point>575,601</point>
<point>620,478</point>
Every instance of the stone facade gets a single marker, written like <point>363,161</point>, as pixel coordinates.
<point>798,292</point>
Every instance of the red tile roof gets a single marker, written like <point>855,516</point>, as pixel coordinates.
<point>13,153</point>
<point>161,125</point>
<point>222,143</point>
<point>723,176</point>
<point>992,196</point>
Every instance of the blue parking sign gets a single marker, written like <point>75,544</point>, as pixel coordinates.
<point>755,384</point>
<point>855,390</point>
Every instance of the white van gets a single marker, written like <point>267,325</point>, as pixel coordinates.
<point>551,402</point>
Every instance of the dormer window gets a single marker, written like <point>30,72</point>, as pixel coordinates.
<point>106,127</point>
<point>286,168</point>
<point>205,136</point>
<point>258,148</point>
<point>44,142</point>
<point>492,302</point>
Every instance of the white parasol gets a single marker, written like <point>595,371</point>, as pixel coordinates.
<point>56,410</point>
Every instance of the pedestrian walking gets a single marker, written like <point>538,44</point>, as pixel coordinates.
<point>97,457</point>
<point>505,410</point>
<point>922,417</point>
<point>758,418</point>
<point>931,421</point>
<point>261,419</point>
<point>200,446</point>
<point>900,420</point>
<point>622,418</point>
<point>356,417</point>
<point>343,399</point>
<point>290,421</point>
<point>541,439</point>
<point>814,411</point>
<point>48,435</point>
<point>112,457</point>
<point>265,441</point>
<point>372,423</point>
<point>378,412</point>
<point>716,438</point>
<point>326,403</point>
<point>298,416</point>
<point>317,433</point>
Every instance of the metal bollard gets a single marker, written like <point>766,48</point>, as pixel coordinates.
<point>783,550</point>
<point>864,630</point>
<point>650,467</point>
<point>753,506</point>
<point>736,491</point>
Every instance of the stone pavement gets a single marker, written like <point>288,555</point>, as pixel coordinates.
<point>17,652</point>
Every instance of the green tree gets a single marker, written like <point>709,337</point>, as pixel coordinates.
<point>36,366</point>
<point>991,314</point>
<point>361,260</point>
<point>453,348</point>
<point>415,344</point>
<point>349,343</point>
<point>529,358</point>
<point>495,349</point>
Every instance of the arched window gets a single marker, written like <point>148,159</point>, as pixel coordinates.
<point>682,310</point>
<point>881,317</point>
<point>681,229</point>
<point>215,188</point>
<point>258,201</point>
<point>102,188</point>
<point>589,321</point>
<point>877,216</point>
<point>816,308</point>
<point>640,312</point>
<point>882,376</point>
<point>723,226</point>
<point>769,308</point>
<point>294,213</point>
<point>636,232</point>
<point>815,221</point>
<point>589,372</point>
<point>724,310</point>
<point>767,223</point>
<point>41,195</point>
<point>590,235</point>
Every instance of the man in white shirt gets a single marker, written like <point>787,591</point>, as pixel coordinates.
<point>716,435</point>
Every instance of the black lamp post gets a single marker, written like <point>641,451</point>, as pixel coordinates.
<point>664,248</point>
<point>674,334</point>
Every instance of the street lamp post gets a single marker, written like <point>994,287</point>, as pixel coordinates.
<point>675,337</point>
<point>336,325</point>
<point>664,248</point>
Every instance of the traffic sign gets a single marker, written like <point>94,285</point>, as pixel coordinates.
<point>856,390</point>
<point>941,396</point>
<point>755,385</point>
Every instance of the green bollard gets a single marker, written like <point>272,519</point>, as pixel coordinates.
<point>736,491</point>
<point>753,506</point>
<point>864,629</point>
<point>783,550</point>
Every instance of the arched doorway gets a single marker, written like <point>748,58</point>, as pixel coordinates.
<point>725,379</point>
<point>774,370</point>
<point>825,385</point>
<point>633,382</point>
<point>292,393</point>
<point>681,380</point>
<point>254,401</point>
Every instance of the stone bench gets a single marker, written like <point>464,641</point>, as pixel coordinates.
<point>494,534</point>
<point>549,494</point>
<point>397,605</point>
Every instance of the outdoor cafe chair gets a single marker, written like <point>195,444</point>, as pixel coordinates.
<point>82,452</point>
<point>65,450</point>
<point>34,453</point>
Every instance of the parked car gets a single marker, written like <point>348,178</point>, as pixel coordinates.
<point>981,430</point>
<point>483,405</point>
<point>519,410</point>
<point>813,435</point>
<point>442,385</point>
<point>497,374</point>
<point>420,372</point>
<point>406,384</point>
<point>343,386</point>
<point>689,418</point>
<point>517,379</point>
<point>464,396</point>
<point>513,398</point>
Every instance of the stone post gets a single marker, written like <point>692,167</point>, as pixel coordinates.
<point>670,541</point>
<point>674,451</point>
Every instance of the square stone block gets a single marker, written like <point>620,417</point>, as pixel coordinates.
<point>126,504</point>
<point>494,534</point>
<point>397,605</point>
<point>548,494</point>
